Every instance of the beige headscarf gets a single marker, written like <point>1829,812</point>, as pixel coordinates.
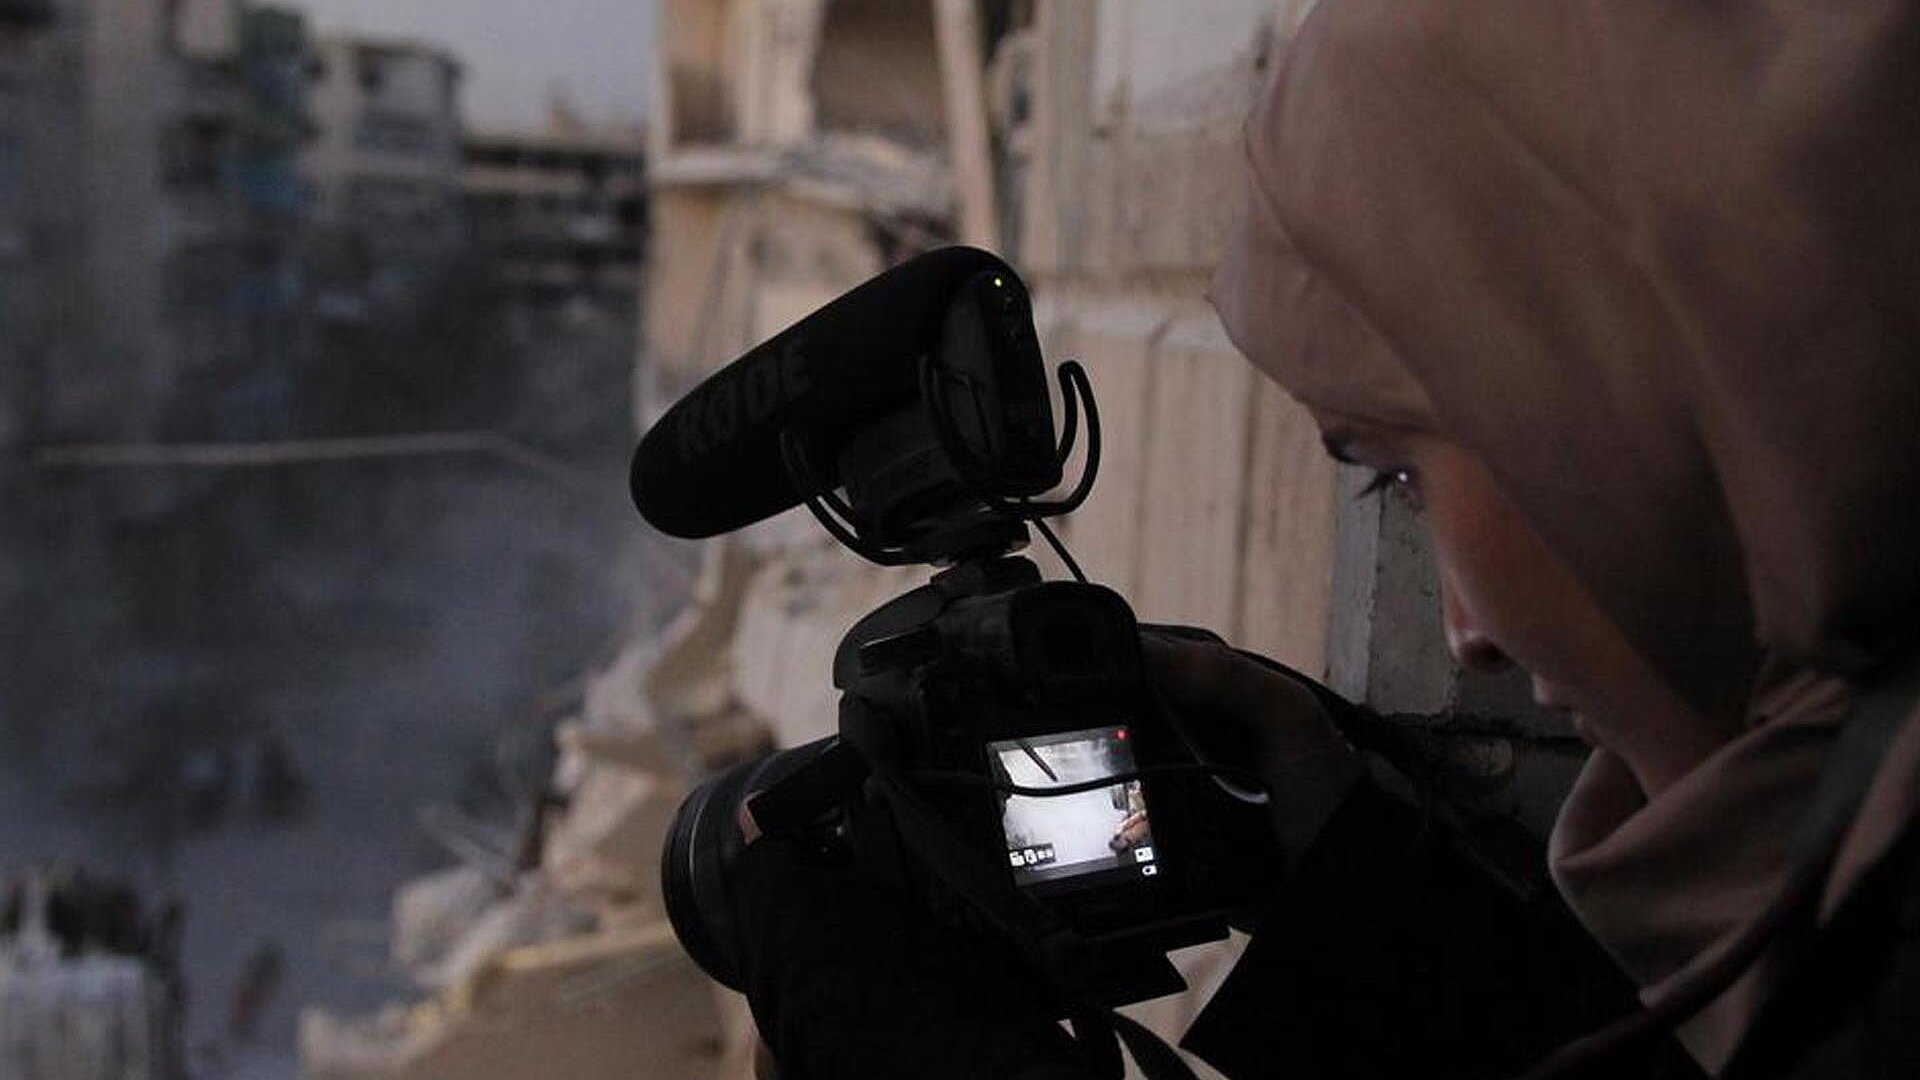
<point>1659,264</point>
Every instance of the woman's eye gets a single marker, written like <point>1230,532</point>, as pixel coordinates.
<point>1397,479</point>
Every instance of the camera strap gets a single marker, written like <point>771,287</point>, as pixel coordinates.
<point>1157,1060</point>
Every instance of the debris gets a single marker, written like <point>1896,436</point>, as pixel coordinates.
<point>608,1005</point>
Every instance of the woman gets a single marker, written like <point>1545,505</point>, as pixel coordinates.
<point>1625,295</point>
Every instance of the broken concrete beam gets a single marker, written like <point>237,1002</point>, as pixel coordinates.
<point>607,848</point>
<point>608,1006</point>
<point>431,912</point>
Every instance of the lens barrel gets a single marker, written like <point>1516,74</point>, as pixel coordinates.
<point>699,862</point>
<point>701,847</point>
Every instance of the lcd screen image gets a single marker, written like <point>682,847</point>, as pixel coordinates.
<point>1086,832</point>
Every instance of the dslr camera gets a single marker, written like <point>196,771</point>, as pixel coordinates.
<point>1002,755</point>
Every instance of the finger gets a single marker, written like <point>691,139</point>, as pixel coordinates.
<point>1191,683</point>
<point>1176,632</point>
<point>1215,678</point>
<point>749,825</point>
<point>1239,710</point>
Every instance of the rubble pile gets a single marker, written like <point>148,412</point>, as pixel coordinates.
<point>566,965</point>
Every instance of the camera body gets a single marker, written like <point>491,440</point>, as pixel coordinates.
<point>1002,755</point>
<point>989,678</point>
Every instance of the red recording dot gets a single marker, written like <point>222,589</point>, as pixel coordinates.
<point>1120,733</point>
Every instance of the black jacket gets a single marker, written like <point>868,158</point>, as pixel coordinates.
<point>1401,949</point>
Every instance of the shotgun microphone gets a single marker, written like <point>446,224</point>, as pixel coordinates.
<point>854,375</point>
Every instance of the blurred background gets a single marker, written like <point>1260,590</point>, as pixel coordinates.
<point>344,697</point>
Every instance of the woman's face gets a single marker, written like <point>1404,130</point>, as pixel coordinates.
<point>1508,599</point>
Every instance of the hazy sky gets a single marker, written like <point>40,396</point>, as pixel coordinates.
<point>516,50</point>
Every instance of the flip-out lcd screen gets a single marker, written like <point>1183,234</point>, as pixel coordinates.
<point>1104,829</point>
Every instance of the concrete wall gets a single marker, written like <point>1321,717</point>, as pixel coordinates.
<point>685,263</point>
<point>750,233</point>
<point>1215,504</point>
<point>876,70</point>
<point>695,102</point>
<point>772,45</point>
<point>729,266</point>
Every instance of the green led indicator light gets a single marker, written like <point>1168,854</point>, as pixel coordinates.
<point>998,283</point>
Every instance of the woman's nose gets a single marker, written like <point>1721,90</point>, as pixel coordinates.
<point>1471,647</point>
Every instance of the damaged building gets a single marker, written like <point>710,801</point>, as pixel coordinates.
<point>385,171</point>
<point>799,149</point>
<point>557,216</point>
<point>150,224</point>
<point>561,210</point>
<point>229,162</point>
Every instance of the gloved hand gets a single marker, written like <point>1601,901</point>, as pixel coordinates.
<point>848,977</point>
<point>1243,712</point>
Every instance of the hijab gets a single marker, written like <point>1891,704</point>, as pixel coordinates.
<point>1659,265</point>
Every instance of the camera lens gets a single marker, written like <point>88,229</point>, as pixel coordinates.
<point>698,864</point>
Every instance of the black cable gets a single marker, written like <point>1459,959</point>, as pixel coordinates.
<point>1034,756</point>
<point>1060,549</point>
<point>1072,374</point>
<point>819,500</point>
<point>1070,428</point>
<point>977,475</point>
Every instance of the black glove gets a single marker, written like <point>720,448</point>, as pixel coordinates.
<point>1245,710</point>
